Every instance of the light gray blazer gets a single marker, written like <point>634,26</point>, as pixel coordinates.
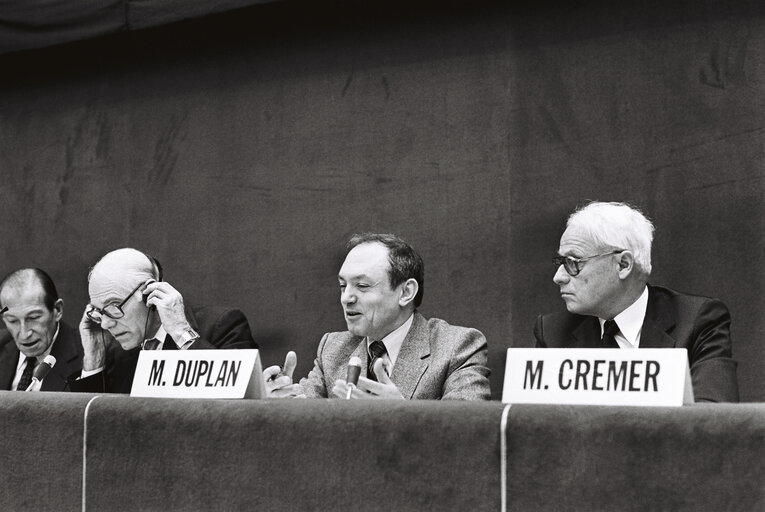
<point>436,361</point>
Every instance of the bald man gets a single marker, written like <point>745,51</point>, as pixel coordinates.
<point>32,315</point>
<point>132,309</point>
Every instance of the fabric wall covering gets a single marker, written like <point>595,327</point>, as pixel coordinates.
<point>243,149</point>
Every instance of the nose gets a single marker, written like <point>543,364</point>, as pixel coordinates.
<point>347,296</point>
<point>25,329</point>
<point>107,322</point>
<point>561,276</point>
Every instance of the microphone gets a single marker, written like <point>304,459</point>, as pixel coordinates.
<point>42,370</point>
<point>352,378</point>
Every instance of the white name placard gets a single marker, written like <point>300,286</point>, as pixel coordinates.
<point>650,376</point>
<point>198,374</point>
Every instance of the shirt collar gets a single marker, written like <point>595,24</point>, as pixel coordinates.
<point>630,321</point>
<point>395,339</point>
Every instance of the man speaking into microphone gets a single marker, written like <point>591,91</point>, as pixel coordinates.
<point>32,315</point>
<point>403,355</point>
<point>132,309</point>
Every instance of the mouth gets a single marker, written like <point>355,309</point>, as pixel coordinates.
<point>30,343</point>
<point>352,314</point>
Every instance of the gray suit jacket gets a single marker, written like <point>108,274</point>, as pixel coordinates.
<point>436,361</point>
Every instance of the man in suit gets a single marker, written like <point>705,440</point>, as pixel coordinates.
<point>132,309</point>
<point>602,270</point>
<point>403,355</point>
<point>33,312</point>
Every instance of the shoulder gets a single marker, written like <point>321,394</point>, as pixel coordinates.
<point>205,316</point>
<point>684,304</point>
<point>440,331</point>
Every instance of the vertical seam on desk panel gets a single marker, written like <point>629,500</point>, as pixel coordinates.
<point>85,449</point>
<point>503,457</point>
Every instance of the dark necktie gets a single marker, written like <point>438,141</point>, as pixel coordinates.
<point>26,375</point>
<point>151,344</point>
<point>609,331</point>
<point>377,349</point>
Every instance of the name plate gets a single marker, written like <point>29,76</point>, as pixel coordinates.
<point>199,374</point>
<point>644,376</point>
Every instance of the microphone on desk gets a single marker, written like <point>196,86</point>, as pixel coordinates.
<point>41,371</point>
<point>352,378</point>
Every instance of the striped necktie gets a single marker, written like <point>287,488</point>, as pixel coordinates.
<point>377,350</point>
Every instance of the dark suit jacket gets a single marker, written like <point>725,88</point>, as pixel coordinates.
<point>436,361</point>
<point>672,320</point>
<point>217,327</point>
<point>67,350</point>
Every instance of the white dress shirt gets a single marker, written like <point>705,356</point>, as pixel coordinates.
<point>630,322</point>
<point>22,364</point>
<point>393,342</point>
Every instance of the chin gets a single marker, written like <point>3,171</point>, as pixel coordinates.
<point>129,344</point>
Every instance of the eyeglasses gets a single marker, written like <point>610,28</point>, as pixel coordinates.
<point>112,310</point>
<point>573,265</point>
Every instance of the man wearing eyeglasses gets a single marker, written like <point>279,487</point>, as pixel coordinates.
<point>32,311</point>
<point>602,270</point>
<point>132,309</point>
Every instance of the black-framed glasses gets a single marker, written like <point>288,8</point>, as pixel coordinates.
<point>112,310</point>
<point>573,265</point>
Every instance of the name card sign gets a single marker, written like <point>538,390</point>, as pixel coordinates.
<point>641,377</point>
<point>227,374</point>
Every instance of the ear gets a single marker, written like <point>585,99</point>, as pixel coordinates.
<point>626,264</point>
<point>58,309</point>
<point>409,289</point>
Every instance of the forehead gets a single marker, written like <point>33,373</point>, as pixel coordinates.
<point>576,241</point>
<point>103,290</point>
<point>370,259</point>
<point>30,296</point>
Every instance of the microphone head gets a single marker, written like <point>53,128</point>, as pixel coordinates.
<point>42,370</point>
<point>354,370</point>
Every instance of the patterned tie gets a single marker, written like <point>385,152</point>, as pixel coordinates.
<point>151,344</point>
<point>609,331</point>
<point>377,349</point>
<point>26,375</point>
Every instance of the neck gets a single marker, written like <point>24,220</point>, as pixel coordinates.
<point>624,299</point>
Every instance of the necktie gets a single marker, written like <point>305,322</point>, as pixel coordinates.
<point>377,349</point>
<point>26,375</point>
<point>151,344</point>
<point>609,331</point>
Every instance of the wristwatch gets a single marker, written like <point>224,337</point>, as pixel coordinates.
<point>188,336</point>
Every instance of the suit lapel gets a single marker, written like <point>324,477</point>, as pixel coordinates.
<point>412,358</point>
<point>659,318</point>
<point>587,333</point>
<point>64,352</point>
<point>9,358</point>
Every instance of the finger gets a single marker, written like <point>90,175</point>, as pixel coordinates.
<point>381,372</point>
<point>271,372</point>
<point>369,386</point>
<point>292,391</point>
<point>340,389</point>
<point>290,362</point>
<point>282,381</point>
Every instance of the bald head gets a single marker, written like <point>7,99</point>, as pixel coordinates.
<point>26,280</point>
<point>118,272</point>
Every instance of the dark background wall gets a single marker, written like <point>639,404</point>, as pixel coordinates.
<point>243,149</point>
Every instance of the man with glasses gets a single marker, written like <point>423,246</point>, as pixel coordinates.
<point>32,311</point>
<point>132,309</point>
<point>603,264</point>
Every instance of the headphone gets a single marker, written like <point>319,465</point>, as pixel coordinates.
<point>157,270</point>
